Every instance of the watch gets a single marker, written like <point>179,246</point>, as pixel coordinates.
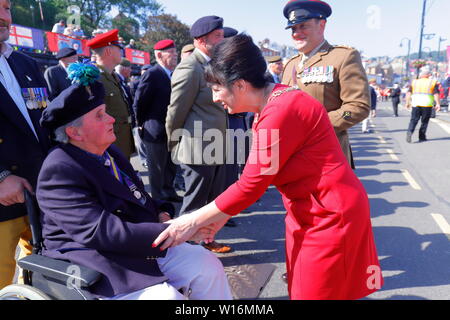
<point>4,174</point>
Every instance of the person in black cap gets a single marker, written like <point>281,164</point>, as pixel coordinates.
<point>334,75</point>
<point>229,32</point>
<point>96,212</point>
<point>192,111</point>
<point>56,76</point>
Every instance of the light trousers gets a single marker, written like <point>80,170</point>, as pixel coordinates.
<point>193,269</point>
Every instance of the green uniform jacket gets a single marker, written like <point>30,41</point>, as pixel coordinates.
<point>116,106</point>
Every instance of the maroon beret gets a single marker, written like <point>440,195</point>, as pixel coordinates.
<point>164,44</point>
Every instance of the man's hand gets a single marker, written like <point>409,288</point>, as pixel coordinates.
<point>164,217</point>
<point>11,190</point>
<point>437,107</point>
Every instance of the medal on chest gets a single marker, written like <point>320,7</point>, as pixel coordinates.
<point>317,74</point>
<point>35,98</point>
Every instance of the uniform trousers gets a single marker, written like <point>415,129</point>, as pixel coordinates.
<point>417,114</point>
<point>13,232</point>
<point>192,268</point>
<point>203,184</point>
<point>161,170</point>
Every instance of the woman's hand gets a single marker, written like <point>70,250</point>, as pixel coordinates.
<point>180,230</point>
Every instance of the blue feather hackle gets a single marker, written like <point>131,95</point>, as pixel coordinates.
<point>83,73</point>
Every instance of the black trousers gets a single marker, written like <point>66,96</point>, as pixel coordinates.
<point>161,170</point>
<point>203,185</point>
<point>395,103</point>
<point>417,114</point>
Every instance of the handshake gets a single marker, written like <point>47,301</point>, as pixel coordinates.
<point>198,226</point>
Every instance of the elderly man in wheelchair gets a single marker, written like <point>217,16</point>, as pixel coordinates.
<point>98,223</point>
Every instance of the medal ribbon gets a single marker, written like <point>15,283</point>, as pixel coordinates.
<point>123,177</point>
<point>113,168</point>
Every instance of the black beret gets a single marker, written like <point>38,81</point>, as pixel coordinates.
<point>229,32</point>
<point>298,11</point>
<point>66,52</point>
<point>206,25</point>
<point>72,103</point>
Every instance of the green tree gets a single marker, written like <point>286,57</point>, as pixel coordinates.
<point>27,13</point>
<point>165,26</point>
<point>94,13</point>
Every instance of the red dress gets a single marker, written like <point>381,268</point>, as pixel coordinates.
<point>330,250</point>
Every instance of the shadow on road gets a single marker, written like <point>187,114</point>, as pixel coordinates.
<point>419,260</point>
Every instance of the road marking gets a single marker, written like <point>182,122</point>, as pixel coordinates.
<point>411,180</point>
<point>382,139</point>
<point>442,223</point>
<point>392,154</point>
<point>442,125</point>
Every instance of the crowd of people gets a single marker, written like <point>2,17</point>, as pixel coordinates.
<point>68,136</point>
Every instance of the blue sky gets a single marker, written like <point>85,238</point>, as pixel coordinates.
<point>374,26</point>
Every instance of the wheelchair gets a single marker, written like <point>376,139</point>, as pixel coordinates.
<point>46,278</point>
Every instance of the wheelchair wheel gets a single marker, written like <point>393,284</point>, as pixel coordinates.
<point>22,292</point>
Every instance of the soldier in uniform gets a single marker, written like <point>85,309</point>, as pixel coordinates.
<point>107,50</point>
<point>334,75</point>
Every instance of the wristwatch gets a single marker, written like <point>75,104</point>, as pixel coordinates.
<point>4,174</point>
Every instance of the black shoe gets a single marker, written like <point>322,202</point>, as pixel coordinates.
<point>408,137</point>
<point>230,223</point>
<point>423,140</point>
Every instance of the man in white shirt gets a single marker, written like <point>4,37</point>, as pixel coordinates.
<point>23,144</point>
<point>59,27</point>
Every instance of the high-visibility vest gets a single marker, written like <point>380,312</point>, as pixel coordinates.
<point>422,92</point>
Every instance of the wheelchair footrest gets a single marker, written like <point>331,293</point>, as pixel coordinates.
<point>73,274</point>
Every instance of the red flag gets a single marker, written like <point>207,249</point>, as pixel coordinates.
<point>137,56</point>
<point>57,41</point>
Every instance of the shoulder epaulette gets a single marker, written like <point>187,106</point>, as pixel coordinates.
<point>343,47</point>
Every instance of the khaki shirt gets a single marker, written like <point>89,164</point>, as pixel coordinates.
<point>335,76</point>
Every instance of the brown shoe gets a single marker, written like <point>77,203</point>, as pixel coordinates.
<point>217,247</point>
<point>284,277</point>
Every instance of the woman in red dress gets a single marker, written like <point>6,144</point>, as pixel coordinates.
<point>330,250</point>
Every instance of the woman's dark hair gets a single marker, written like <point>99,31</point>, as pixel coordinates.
<point>234,59</point>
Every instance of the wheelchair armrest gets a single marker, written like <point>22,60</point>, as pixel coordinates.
<point>64,271</point>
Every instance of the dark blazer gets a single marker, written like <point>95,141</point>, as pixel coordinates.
<point>395,95</point>
<point>57,80</point>
<point>269,77</point>
<point>92,219</point>
<point>151,102</point>
<point>20,151</point>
